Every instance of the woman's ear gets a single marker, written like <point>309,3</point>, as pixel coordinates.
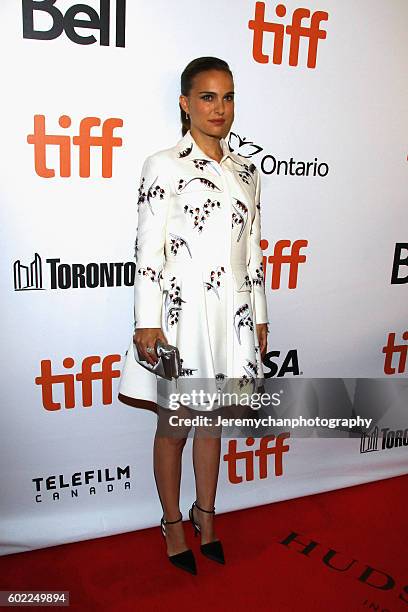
<point>183,103</point>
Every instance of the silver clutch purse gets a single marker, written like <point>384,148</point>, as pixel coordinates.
<point>168,365</point>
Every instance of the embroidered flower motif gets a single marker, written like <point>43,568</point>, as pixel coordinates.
<point>245,176</point>
<point>239,216</point>
<point>186,371</point>
<point>251,372</point>
<point>247,282</point>
<point>244,381</point>
<point>214,281</point>
<point>136,248</point>
<point>182,184</point>
<point>242,318</point>
<point>200,215</point>
<point>220,376</point>
<point>251,369</point>
<point>220,380</point>
<point>259,280</point>
<point>186,151</point>
<point>201,164</point>
<point>149,273</point>
<point>245,172</point>
<point>172,303</point>
<point>176,242</point>
<point>152,192</point>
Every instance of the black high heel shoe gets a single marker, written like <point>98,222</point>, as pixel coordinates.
<point>212,550</point>
<point>184,560</point>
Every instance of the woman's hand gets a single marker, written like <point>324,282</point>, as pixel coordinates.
<point>262,331</point>
<point>145,337</point>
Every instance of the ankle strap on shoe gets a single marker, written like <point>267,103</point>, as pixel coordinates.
<point>202,509</point>
<point>171,522</point>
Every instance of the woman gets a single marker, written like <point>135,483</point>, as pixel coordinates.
<point>199,285</point>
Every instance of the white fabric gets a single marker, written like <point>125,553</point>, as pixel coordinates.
<point>199,273</point>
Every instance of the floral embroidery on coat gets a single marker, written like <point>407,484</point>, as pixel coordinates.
<point>177,242</point>
<point>199,214</point>
<point>149,273</point>
<point>249,377</point>
<point>214,282</point>
<point>172,303</point>
<point>251,369</point>
<point>201,164</point>
<point>186,151</point>
<point>136,248</point>
<point>242,318</point>
<point>246,175</point>
<point>259,280</point>
<point>152,192</point>
<point>247,283</point>
<point>186,371</point>
<point>182,184</point>
<point>239,216</point>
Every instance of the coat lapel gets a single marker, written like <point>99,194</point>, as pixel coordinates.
<point>200,172</point>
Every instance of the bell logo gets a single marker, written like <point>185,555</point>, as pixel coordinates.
<point>70,23</point>
<point>40,139</point>
<point>295,30</point>
<point>400,264</point>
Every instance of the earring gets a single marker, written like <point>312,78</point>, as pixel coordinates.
<point>187,116</point>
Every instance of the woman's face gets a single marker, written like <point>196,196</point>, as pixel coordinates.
<point>210,103</point>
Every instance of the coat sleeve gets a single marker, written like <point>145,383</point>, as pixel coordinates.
<point>256,259</point>
<point>153,204</point>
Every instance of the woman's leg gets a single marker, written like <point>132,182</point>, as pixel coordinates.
<point>206,461</point>
<point>167,454</point>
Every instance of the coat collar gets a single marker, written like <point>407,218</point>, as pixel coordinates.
<point>187,148</point>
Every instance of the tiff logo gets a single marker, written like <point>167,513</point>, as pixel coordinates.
<point>293,258</point>
<point>295,30</point>
<point>70,23</point>
<point>40,139</point>
<point>48,380</point>
<point>29,277</point>
<point>391,349</point>
<point>247,457</point>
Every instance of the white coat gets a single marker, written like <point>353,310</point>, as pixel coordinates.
<point>199,269</point>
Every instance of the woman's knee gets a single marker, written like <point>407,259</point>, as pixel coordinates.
<point>176,433</point>
<point>176,443</point>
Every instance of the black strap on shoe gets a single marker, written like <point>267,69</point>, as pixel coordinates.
<point>202,509</point>
<point>171,522</point>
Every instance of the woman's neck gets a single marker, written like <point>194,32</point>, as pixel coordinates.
<point>210,145</point>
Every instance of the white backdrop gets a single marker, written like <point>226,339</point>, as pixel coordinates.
<point>349,112</point>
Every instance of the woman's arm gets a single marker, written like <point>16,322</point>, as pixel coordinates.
<point>255,262</point>
<point>153,203</point>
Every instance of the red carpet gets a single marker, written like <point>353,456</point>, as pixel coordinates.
<point>363,526</point>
